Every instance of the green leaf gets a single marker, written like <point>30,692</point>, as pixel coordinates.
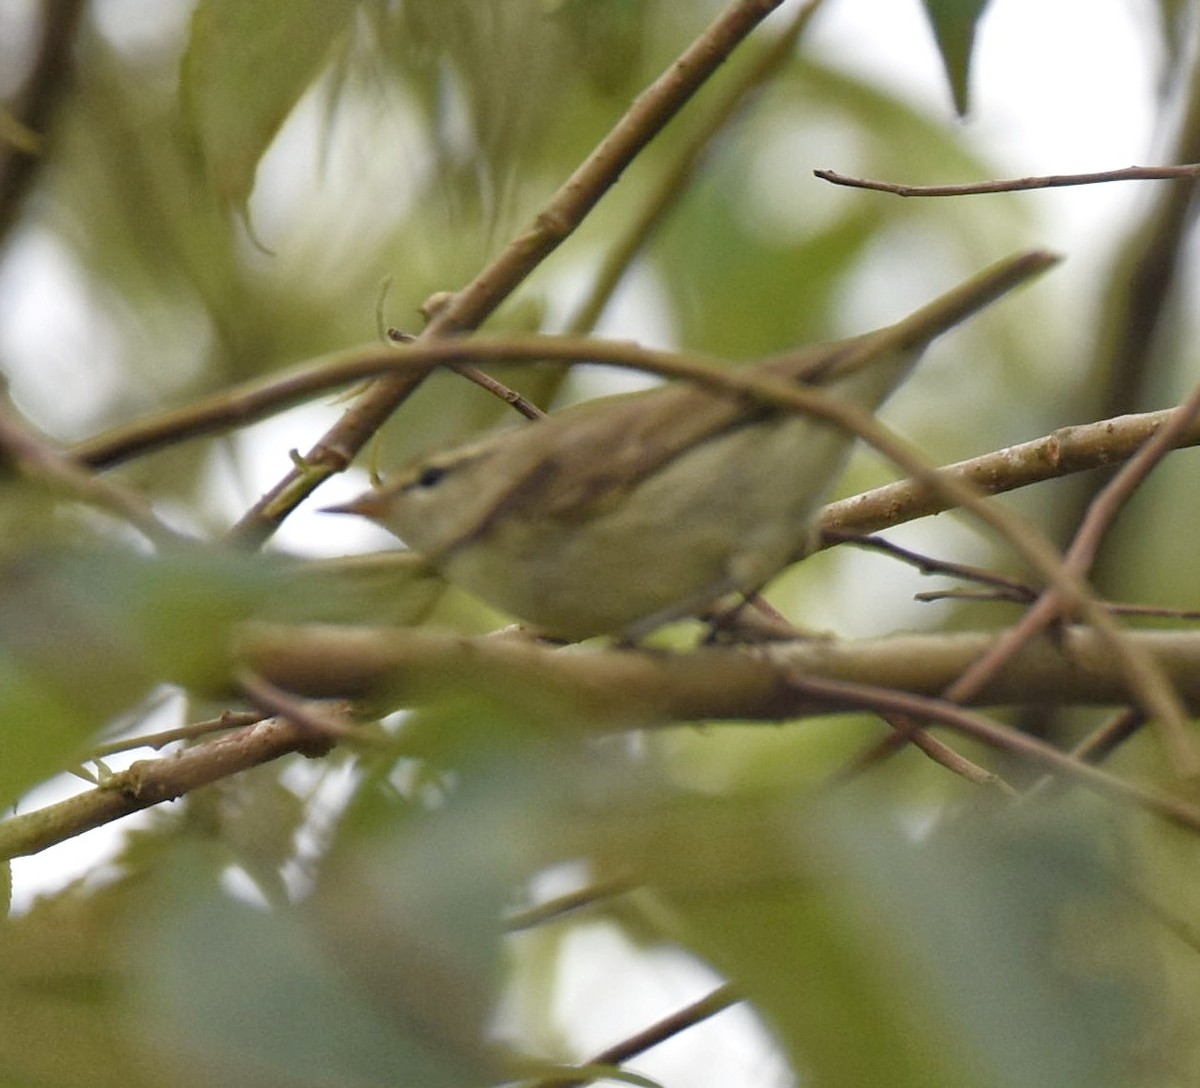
<point>245,68</point>
<point>876,958</point>
<point>954,23</point>
<point>255,997</point>
<point>87,633</point>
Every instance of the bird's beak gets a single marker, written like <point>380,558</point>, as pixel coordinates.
<point>367,505</point>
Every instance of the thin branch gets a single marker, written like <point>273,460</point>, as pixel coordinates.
<point>1078,559</point>
<point>149,782</point>
<point>720,999</point>
<point>43,461</point>
<point>910,731</point>
<point>467,309</point>
<point>682,171</point>
<point>551,910</point>
<point>1002,586</point>
<point>323,724</point>
<point>1097,745</point>
<point>1012,185</point>
<point>1003,738</point>
<point>1104,508</point>
<point>50,81</point>
<point>1061,453</point>
<point>231,719</point>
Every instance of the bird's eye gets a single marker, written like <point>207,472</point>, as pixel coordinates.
<point>430,475</point>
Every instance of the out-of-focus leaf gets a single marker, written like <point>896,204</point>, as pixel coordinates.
<point>607,36</point>
<point>17,135</point>
<point>393,587</point>
<point>63,668</point>
<point>170,614</point>
<point>954,23</point>
<point>245,67</point>
<point>61,1019</point>
<point>256,997</point>
<point>257,818</point>
<point>778,246</point>
<point>84,634</point>
<point>879,959</point>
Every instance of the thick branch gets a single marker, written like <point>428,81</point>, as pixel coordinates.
<point>618,688</point>
<point>1061,453</point>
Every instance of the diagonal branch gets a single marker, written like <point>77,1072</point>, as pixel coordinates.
<point>471,306</point>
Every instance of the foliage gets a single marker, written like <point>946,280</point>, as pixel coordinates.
<point>410,885</point>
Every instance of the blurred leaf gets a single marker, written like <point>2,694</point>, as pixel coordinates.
<point>879,959</point>
<point>608,38</point>
<point>954,23</point>
<point>61,1019</point>
<point>256,997</point>
<point>84,634</point>
<point>63,669</point>
<point>245,67</point>
<point>17,135</point>
<point>757,254</point>
<point>257,819</point>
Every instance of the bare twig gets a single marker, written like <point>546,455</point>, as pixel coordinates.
<point>553,909</point>
<point>720,999</point>
<point>1002,737</point>
<point>908,730</point>
<point>1078,559</point>
<point>1002,586</point>
<point>683,170</point>
<point>324,726</point>
<point>1097,745</point>
<point>1011,185</point>
<point>231,719</point>
<point>50,81</point>
<point>1065,451</point>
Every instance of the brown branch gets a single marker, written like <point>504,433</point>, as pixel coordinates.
<point>614,689</point>
<point>551,910</point>
<point>1065,451</point>
<point>324,725</point>
<point>608,691</point>
<point>1003,738</point>
<point>231,719</point>
<point>1012,185</point>
<point>611,690</point>
<point>51,80</point>
<point>41,460</point>
<point>720,999</point>
<point>150,782</point>
<point>1079,556</point>
<point>910,731</point>
<point>682,171</point>
<point>467,309</point>
<point>1002,587</point>
<point>1097,745</point>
